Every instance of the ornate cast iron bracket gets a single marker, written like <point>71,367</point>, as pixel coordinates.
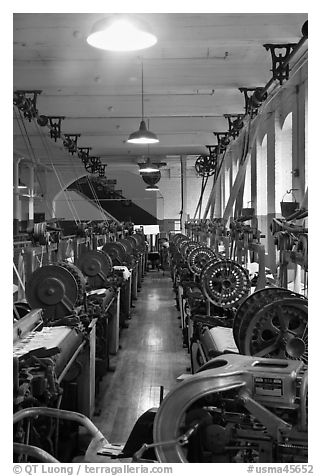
<point>55,126</point>
<point>26,101</point>
<point>213,150</point>
<point>235,124</point>
<point>252,103</point>
<point>280,65</point>
<point>70,142</point>
<point>83,153</point>
<point>222,140</point>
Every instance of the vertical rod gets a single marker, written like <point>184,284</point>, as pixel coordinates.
<point>183,192</point>
<point>16,200</point>
<point>31,197</point>
<point>142,90</point>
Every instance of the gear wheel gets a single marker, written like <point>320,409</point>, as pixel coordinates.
<point>279,330</point>
<point>251,305</point>
<point>224,282</point>
<point>198,257</point>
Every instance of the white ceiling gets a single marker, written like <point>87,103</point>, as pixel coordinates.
<point>191,79</point>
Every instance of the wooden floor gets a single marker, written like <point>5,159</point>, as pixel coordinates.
<point>151,355</point>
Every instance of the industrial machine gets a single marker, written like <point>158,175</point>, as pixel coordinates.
<point>51,363</point>
<point>65,328</point>
<point>235,409</point>
<point>223,311</point>
<point>61,347</point>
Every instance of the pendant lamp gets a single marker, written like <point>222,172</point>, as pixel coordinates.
<point>148,167</point>
<point>151,188</point>
<point>119,33</point>
<point>151,179</point>
<point>143,135</point>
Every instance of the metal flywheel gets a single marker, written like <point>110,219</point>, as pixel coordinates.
<point>224,282</point>
<point>96,266</point>
<point>198,257</point>
<point>54,289</point>
<point>205,165</point>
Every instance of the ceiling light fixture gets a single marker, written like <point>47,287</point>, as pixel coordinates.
<point>121,34</point>
<point>148,167</point>
<point>151,188</point>
<point>143,135</point>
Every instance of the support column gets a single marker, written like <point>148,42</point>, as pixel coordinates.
<point>31,197</point>
<point>299,140</point>
<point>218,199</point>
<point>16,199</point>
<point>183,192</point>
<point>273,150</point>
<point>254,178</point>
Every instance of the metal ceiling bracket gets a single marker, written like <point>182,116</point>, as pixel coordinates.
<point>26,101</point>
<point>223,141</point>
<point>280,65</point>
<point>70,142</point>
<point>83,153</point>
<point>247,98</point>
<point>235,124</point>
<point>55,126</point>
<point>213,150</point>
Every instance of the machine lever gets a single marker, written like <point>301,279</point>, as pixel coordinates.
<point>181,441</point>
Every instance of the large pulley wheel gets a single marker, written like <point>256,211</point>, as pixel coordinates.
<point>224,282</point>
<point>79,277</point>
<point>205,165</point>
<point>181,245</point>
<point>54,289</point>
<point>177,237</point>
<point>177,258</point>
<point>140,240</point>
<point>251,305</point>
<point>279,330</point>
<point>129,258</point>
<point>134,244</point>
<point>113,251</point>
<point>198,258</point>
<point>128,246</point>
<point>97,266</point>
<point>187,247</point>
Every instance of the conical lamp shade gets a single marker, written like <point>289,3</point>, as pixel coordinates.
<point>121,34</point>
<point>143,135</point>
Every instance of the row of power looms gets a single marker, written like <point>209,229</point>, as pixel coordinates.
<point>76,295</point>
<point>246,334</point>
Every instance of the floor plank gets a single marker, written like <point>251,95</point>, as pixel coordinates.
<point>151,356</point>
